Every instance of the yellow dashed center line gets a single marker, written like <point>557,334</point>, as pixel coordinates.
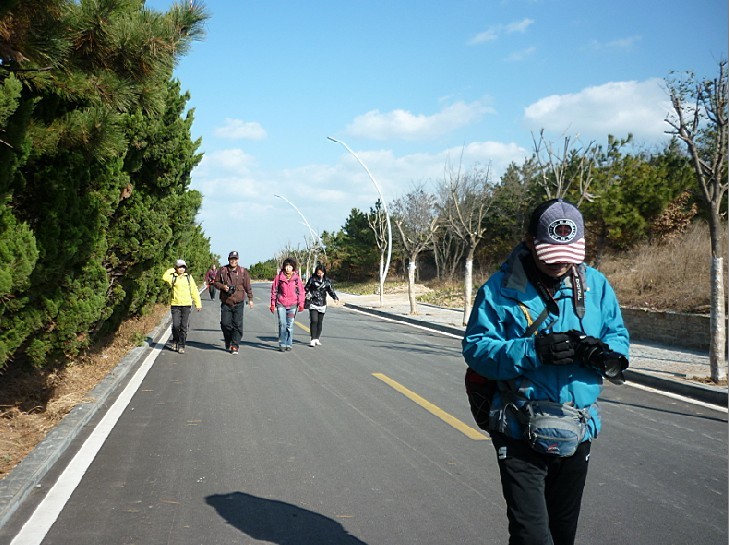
<point>451,420</point>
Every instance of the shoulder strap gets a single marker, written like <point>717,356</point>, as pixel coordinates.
<point>532,325</point>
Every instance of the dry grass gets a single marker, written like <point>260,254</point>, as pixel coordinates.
<point>672,276</point>
<point>31,404</point>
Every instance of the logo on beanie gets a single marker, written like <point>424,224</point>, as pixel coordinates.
<point>562,230</point>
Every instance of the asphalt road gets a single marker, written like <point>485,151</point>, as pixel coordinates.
<point>366,439</point>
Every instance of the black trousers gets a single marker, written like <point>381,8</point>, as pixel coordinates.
<point>231,323</point>
<point>543,493</point>
<point>316,321</point>
<point>180,320</point>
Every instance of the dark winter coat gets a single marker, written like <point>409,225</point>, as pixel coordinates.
<point>318,288</point>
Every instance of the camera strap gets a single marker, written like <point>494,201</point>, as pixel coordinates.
<point>578,292</point>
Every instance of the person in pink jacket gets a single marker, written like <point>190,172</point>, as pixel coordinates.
<point>287,296</point>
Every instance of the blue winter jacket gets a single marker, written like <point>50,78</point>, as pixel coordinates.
<point>494,345</point>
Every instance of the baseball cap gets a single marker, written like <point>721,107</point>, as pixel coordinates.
<point>233,255</point>
<point>559,232</point>
<point>181,263</point>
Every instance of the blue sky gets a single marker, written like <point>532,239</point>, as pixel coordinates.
<point>412,86</point>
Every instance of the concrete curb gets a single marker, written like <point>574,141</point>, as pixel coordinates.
<point>17,485</point>
<point>691,390</point>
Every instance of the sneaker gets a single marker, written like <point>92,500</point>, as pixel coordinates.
<point>181,350</point>
<point>281,348</point>
<point>234,350</point>
<point>288,349</point>
<point>318,342</point>
<point>313,342</point>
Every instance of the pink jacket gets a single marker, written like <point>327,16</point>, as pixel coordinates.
<point>287,292</point>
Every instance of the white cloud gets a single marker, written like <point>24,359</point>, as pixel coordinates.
<point>518,56</point>
<point>620,43</point>
<point>616,108</point>
<point>234,161</point>
<point>237,129</point>
<point>494,32</point>
<point>402,124</point>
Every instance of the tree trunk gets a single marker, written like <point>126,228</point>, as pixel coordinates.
<point>468,287</point>
<point>382,278</point>
<point>411,284</point>
<point>717,348</point>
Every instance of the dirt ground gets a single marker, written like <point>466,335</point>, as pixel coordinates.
<point>31,405</point>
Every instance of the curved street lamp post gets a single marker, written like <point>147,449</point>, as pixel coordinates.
<point>383,272</point>
<point>314,235</point>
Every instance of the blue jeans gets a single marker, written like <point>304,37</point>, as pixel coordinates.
<point>286,316</point>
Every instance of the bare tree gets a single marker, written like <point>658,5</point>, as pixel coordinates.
<point>448,252</point>
<point>562,169</point>
<point>416,218</point>
<point>377,221</point>
<point>699,119</point>
<point>467,199</point>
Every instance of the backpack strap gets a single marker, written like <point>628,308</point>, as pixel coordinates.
<point>532,325</point>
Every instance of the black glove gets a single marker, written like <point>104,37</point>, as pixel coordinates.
<point>592,352</point>
<point>555,348</point>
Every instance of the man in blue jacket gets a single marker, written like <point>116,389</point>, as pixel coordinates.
<point>545,331</point>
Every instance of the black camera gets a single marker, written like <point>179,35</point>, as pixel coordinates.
<point>594,353</point>
<point>231,290</point>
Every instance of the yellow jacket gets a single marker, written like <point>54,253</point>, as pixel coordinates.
<point>184,289</point>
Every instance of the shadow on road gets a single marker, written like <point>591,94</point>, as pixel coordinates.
<point>279,522</point>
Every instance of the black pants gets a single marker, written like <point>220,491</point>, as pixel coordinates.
<point>231,323</point>
<point>211,291</point>
<point>316,321</point>
<point>180,319</point>
<point>543,493</point>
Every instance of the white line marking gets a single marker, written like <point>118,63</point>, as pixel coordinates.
<point>719,408</point>
<point>35,529</point>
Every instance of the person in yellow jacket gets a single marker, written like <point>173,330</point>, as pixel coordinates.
<point>184,294</point>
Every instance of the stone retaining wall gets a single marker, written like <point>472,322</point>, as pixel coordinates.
<point>670,328</point>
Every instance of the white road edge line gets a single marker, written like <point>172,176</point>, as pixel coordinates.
<point>718,408</point>
<point>416,326</point>
<point>37,526</point>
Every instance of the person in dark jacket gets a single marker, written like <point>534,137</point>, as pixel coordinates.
<point>545,330</point>
<point>210,281</point>
<point>234,283</point>
<point>316,290</point>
